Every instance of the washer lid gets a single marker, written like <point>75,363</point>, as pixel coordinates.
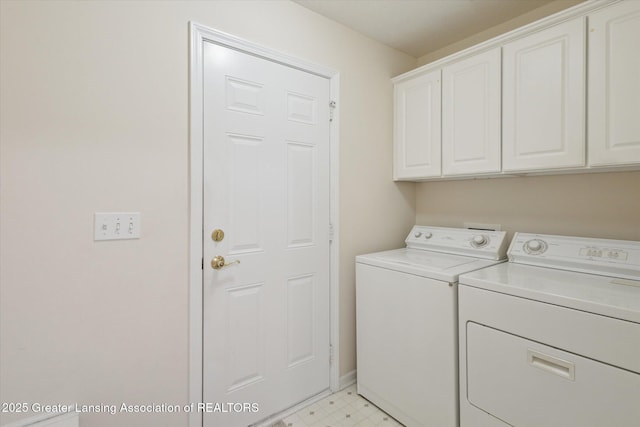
<point>605,295</point>
<point>435,265</point>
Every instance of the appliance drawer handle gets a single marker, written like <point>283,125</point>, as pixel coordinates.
<point>559,367</point>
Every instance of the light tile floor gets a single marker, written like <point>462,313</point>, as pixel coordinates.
<point>342,409</point>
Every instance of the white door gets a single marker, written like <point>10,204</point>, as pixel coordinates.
<point>266,186</point>
<point>614,85</point>
<point>471,115</point>
<point>544,99</point>
<point>417,127</point>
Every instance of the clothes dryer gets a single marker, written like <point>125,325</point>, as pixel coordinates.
<point>552,338</point>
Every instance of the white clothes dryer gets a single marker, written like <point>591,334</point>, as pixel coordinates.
<point>552,338</point>
<point>406,321</point>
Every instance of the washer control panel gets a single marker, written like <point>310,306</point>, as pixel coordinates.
<point>600,256</point>
<point>486,244</point>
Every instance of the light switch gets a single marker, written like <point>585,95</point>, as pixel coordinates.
<point>116,225</point>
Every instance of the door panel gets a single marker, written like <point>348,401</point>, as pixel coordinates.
<point>245,201</point>
<point>301,183</point>
<point>266,185</point>
<point>299,319</point>
<point>245,335</point>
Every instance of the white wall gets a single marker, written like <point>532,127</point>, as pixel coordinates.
<point>94,117</point>
<point>602,205</point>
<point>548,9</point>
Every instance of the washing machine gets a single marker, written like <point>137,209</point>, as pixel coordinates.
<point>552,338</point>
<point>406,321</point>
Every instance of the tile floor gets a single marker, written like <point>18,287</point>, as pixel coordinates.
<point>342,409</point>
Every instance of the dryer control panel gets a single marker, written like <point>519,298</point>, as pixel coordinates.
<point>619,258</point>
<point>459,241</point>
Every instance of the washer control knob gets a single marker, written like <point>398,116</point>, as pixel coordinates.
<point>535,246</point>
<point>418,234</point>
<point>428,235</point>
<point>479,240</point>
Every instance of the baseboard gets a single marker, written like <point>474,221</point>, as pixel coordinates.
<point>348,379</point>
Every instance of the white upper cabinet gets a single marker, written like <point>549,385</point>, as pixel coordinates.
<point>558,95</point>
<point>417,127</point>
<point>471,115</point>
<point>614,85</point>
<point>544,99</point>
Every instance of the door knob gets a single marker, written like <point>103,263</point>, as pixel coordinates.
<point>219,262</point>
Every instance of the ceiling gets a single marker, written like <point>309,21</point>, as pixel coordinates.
<point>418,27</point>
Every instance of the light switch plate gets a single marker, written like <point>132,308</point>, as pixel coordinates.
<point>116,225</point>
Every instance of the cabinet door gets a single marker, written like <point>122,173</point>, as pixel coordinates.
<point>417,127</point>
<point>614,85</point>
<point>544,99</point>
<point>471,115</point>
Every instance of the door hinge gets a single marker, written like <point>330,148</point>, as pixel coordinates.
<point>332,108</point>
<point>331,233</point>
<point>202,264</point>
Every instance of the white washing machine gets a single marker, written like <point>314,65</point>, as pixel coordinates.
<point>406,319</point>
<point>552,338</point>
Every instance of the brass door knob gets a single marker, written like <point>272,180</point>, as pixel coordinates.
<point>218,262</point>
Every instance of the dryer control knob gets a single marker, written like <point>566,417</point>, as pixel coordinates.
<point>418,234</point>
<point>428,235</point>
<point>479,240</point>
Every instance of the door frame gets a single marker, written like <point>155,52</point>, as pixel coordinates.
<point>198,35</point>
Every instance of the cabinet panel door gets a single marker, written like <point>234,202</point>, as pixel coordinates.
<point>471,115</point>
<point>544,99</point>
<point>417,135</point>
<point>614,85</point>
